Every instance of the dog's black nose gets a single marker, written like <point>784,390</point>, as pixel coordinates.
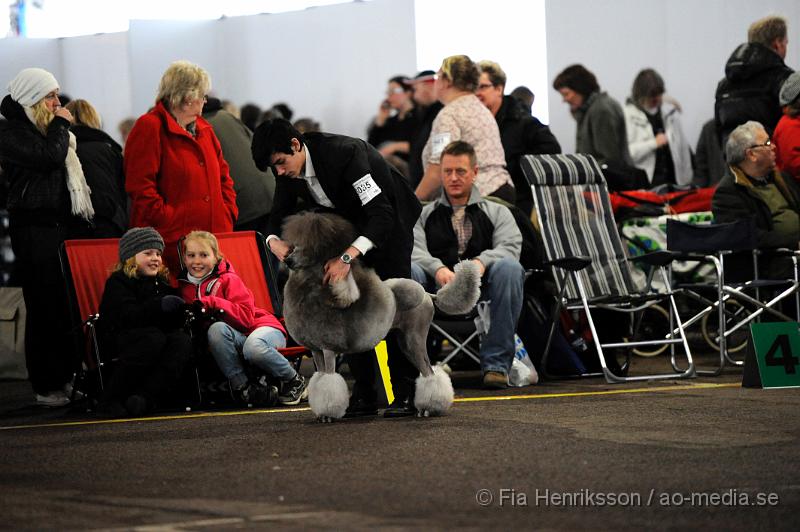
<point>289,261</point>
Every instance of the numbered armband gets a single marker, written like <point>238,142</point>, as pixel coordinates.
<point>366,188</point>
<point>439,142</point>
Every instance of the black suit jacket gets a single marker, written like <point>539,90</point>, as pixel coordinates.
<point>387,219</point>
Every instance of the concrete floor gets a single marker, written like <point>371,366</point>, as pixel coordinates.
<point>703,453</point>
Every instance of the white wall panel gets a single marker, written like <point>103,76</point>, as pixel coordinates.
<point>96,68</point>
<point>686,41</point>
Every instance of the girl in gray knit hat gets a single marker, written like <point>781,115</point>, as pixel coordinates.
<point>141,327</point>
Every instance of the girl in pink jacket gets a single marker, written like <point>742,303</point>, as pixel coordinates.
<point>243,332</point>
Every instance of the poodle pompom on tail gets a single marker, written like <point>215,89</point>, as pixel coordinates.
<point>460,295</point>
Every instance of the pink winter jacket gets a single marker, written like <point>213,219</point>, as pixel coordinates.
<point>225,290</point>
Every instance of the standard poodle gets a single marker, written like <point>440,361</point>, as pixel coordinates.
<point>353,315</point>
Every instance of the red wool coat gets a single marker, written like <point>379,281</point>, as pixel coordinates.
<point>177,183</point>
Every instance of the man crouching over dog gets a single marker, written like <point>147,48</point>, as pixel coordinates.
<point>462,225</point>
<point>347,176</point>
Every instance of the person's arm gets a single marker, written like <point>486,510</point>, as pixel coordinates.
<point>235,300</point>
<point>30,150</point>
<point>142,165</point>
<point>608,136</point>
<point>639,147</point>
<point>729,206</point>
<point>431,182</point>
<point>396,146</point>
<point>506,239</point>
<point>444,131</point>
<point>283,204</point>
<point>420,254</point>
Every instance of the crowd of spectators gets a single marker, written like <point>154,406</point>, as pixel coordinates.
<point>186,164</point>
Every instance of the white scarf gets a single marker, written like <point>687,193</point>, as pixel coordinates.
<point>79,191</point>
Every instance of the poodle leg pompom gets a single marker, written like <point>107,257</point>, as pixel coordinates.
<point>327,395</point>
<point>434,393</point>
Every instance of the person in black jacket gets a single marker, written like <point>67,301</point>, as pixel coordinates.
<point>754,74</point>
<point>753,188</point>
<point>101,159</point>
<point>48,202</point>
<point>428,107</point>
<point>347,176</point>
<point>140,326</point>
<point>520,132</point>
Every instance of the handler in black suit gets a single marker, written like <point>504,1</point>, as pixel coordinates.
<point>347,176</point>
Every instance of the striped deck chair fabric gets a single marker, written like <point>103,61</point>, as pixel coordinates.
<point>575,219</point>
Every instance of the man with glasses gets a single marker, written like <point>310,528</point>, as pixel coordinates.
<point>753,187</point>
<point>520,133</point>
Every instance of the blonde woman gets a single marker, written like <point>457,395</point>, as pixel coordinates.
<point>48,202</point>
<point>464,118</point>
<point>175,174</point>
<point>101,159</point>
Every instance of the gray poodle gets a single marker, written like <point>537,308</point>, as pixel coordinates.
<point>353,315</point>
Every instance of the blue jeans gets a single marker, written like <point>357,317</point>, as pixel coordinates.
<point>501,285</point>
<point>231,349</point>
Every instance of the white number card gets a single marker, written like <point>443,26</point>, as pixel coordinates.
<point>366,188</point>
<point>438,143</point>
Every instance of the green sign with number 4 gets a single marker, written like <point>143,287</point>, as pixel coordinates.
<point>777,350</point>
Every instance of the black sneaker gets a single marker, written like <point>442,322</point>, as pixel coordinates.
<point>257,394</point>
<point>293,391</point>
<point>137,405</point>
<point>401,408</point>
<point>360,408</point>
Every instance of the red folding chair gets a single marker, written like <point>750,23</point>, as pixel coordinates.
<point>86,264</point>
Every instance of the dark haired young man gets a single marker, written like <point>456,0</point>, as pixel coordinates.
<point>347,176</point>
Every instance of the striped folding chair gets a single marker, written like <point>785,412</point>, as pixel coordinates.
<point>590,266</point>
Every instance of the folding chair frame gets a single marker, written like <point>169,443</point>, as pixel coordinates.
<point>572,173</point>
<point>737,293</point>
<point>460,345</point>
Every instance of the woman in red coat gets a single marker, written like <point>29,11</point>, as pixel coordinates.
<point>175,174</point>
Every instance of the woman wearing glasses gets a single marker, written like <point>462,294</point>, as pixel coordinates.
<point>175,173</point>
<point>48,202</point>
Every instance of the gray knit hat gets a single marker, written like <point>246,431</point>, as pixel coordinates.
<point>790,89</point>
<point>139,239</point>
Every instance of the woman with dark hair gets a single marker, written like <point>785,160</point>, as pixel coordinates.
<point>48,202</point>
<point>465,118</point>
<point>601,123</point>
<point>101,158</point>
<point>394,126</point>
<point>655,136</point>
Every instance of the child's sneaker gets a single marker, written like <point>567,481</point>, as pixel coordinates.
<point>293,391</point>
<point>53,399</point>
<point>257,394</point>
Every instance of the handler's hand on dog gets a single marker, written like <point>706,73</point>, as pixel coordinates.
<point>279,248</point>
<point>335,270</point>
<point>444,275</point>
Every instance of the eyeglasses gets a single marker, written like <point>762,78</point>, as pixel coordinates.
<point>484,86</point>
<point>767,144</point>
<point>395,90</point>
